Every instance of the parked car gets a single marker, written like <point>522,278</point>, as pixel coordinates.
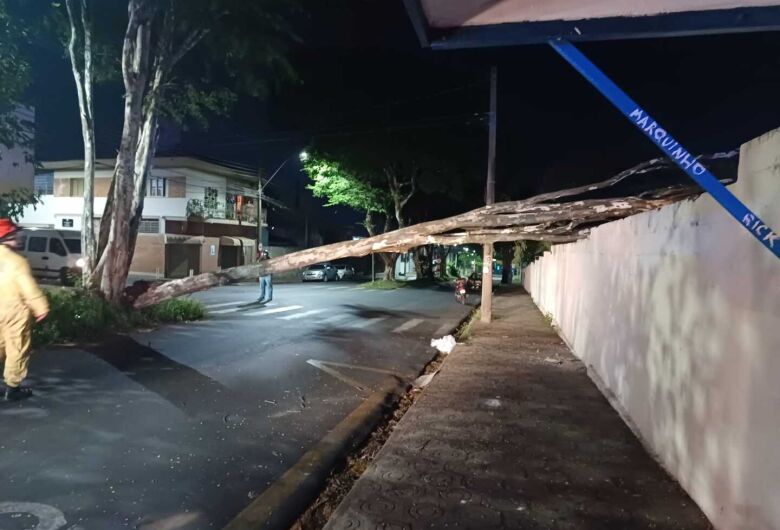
<point>52,253</point>
<point>321,272</point>
<point>345,272</point>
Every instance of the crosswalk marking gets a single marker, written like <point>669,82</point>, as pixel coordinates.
<point>226,304</point>
<point>367,322</point>
<point>409,324</point>
<point>444,328</point>
<point>301,315</point>
<point>335,318</point>
<point>275,310</point>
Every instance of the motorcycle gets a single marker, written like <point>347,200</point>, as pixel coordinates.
<point>461,292</point>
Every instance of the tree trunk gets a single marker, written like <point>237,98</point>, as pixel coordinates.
<point>418,266</point>
<point>390,261</point>
<point>507,257</point>
<point>143,164</point>
<point>443,265</point>
<point>82,75</point>
<point>135,70</point>
<point>533,219</point>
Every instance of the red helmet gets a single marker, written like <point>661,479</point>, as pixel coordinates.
<point>7,228</point>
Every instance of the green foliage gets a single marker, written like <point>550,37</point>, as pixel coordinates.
<point>13,203</point>
<point>383,285</point>
<point>452,270</point>
<point>177,310</point>
<point>79,315</point>
<point>339,186</point>
<point>195,208</point>
<point>240,48</point>
<point>527,251</point>
<point>242,51</point>
<point>14,77</point>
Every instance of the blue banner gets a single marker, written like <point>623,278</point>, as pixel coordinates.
<point>671,147</point>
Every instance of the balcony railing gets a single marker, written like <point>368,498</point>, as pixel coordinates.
<point>196,209</point>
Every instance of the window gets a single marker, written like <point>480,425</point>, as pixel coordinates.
<point>74,245</point>
<point>37,244</point>
<point>44,183</point>
<point>157,187</point>
<point>67,223</point>
<point>210,198</point>
<point>22,242</point>
<point>56,247</point>
<point>76,188</point>
<point>149,226</point>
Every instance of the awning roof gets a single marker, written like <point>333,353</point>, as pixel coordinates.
<point>229,241</point>
<point>476,23</point>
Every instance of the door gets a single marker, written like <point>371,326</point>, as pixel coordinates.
<point>58,254</point>
<point>180,259</point>
<point>38,255</point>
<point>228,256</point>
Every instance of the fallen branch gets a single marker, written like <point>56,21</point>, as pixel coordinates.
<point>532,219</point>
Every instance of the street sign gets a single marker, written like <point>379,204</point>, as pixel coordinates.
<point>450,24</point>
<point>670,147</point>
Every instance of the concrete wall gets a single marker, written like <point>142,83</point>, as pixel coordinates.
<point>677,314</point>
<point>149,256</point>
<point>54,209</point>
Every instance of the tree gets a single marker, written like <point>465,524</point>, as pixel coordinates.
<point>339,186</point>
<point>80,52</point>
<point>409,168</point>
<point>13,80</point>
<point>563,216</point>
<point>239,45</point>
<point>13,203</point>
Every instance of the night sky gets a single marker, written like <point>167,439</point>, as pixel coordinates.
<point>363,74</point>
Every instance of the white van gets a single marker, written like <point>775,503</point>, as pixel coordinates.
<point>52,253</point>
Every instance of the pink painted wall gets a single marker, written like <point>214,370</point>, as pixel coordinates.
<point>676,313</point>
<point>454,13</point>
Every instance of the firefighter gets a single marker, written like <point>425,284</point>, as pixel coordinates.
<point>20,301</point>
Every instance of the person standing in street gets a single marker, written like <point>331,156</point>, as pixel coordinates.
<point>21,300</point>
<point>266,282</point>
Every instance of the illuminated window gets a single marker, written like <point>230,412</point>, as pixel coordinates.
<point>157,187</point>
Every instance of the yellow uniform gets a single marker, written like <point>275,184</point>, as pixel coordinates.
<point>20,300</point>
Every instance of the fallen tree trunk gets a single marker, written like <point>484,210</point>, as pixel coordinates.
<point>533,219</point>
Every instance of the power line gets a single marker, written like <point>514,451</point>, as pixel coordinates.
<point>440,122</point>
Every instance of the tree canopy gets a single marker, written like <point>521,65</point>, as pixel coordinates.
<point>14,77</point>
<point>341,187</point>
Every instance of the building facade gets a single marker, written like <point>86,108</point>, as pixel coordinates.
<point>199,216</point>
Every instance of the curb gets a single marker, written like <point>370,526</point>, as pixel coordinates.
<point>281,504</point>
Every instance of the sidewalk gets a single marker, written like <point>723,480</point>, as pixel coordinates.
<point>505,438</point>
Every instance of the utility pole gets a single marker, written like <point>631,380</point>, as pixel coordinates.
<point>259,207</point>
<point>490,198</point>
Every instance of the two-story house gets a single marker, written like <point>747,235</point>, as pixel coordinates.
<point>198,216</point>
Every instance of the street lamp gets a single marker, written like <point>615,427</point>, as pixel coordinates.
<point>302,156</point>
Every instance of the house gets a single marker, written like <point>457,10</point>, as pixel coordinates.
<point>16,163</point>
<point>199,215</point>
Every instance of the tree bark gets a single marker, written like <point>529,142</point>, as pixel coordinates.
<point>151,49</point>
<point>507,257</point>
<point>532,219</point>
<point>143,164</point>
<point>82,75</point>
<point>136,53</point>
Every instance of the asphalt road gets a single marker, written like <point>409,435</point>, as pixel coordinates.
<point>181,427</point>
